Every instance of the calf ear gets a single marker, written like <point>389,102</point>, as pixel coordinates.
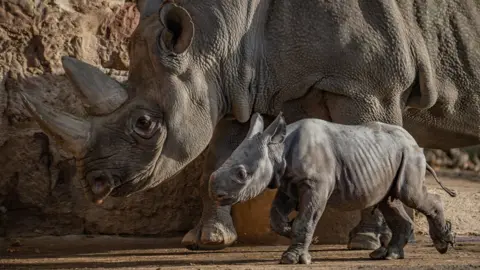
<point>277,130</point>
<point>256,125</point>
<point>277,175</point>
<point>178,33</point>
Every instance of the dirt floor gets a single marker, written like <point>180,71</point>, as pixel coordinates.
<point>113,252</point>
<point>104,252</point>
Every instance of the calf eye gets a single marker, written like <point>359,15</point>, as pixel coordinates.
<point>145,126</point>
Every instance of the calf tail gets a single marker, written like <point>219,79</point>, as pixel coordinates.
<point>450,192</point>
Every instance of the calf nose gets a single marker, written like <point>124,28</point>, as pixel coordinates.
<point>101,184</point>
<point>220,195</point>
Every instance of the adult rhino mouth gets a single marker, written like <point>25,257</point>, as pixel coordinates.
<point>102,185</point>
<point>124,189</point>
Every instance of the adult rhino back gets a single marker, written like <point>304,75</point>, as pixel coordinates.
<point>199,69</point>
<point>410,61</point>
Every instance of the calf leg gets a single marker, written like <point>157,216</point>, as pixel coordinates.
<point>413,193</point>
<point>282,206</point>
<point>431,206</point>
<point>312,202</point>
<point>401,226</point>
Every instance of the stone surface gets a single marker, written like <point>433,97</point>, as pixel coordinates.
<point>39,194</point>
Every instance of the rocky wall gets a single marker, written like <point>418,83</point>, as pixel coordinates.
<point>39,193</point>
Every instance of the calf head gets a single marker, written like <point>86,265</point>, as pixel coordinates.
<point>257,163</point>
<point>138,136</point>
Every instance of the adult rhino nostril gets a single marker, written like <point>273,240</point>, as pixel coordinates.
<point>101,185</point>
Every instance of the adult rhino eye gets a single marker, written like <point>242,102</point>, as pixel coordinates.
<point>242,173</point>
<point>145,126</point>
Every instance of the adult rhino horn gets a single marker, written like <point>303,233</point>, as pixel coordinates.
<point>69,131</point>
<point>101,94</point>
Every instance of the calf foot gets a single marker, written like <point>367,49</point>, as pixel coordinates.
<point>390,253</point>
<point>447,238</point>
<point>215,235</point>
<point>292,257</point>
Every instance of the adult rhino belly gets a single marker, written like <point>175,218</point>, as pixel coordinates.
<point>364,177</point>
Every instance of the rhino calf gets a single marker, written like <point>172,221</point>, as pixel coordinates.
<point>315,163</point>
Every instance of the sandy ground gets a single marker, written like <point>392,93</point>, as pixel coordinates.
<point>112,252</point>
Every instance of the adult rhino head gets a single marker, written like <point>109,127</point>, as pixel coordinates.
<point>135,138</point>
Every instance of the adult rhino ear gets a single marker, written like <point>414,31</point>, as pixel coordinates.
<point>178,34</point>
<point>277,130</point>
<point>256,125</point>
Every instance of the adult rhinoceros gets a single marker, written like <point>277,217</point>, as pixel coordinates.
<point>199,69</point>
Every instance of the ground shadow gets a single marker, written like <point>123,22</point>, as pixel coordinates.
<point>136,263</point>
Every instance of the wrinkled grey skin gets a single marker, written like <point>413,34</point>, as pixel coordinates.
<point>315,164</point>
<point>199,69</point>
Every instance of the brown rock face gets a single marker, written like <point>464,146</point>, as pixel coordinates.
<point>39,193</point>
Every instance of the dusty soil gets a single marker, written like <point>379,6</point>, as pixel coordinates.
<point>104,252</point>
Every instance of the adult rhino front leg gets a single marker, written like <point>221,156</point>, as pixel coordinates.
<point>215,229</point>
<point>372,231</point>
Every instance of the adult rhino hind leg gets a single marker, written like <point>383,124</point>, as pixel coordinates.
<point>401,227</point>
<point>371,232</point>
<point>215,229</point>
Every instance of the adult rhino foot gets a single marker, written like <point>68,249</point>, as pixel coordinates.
<point>389,253</point>
<point>364,241</point>
<point>291,257</point>
<point>214,237</point>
